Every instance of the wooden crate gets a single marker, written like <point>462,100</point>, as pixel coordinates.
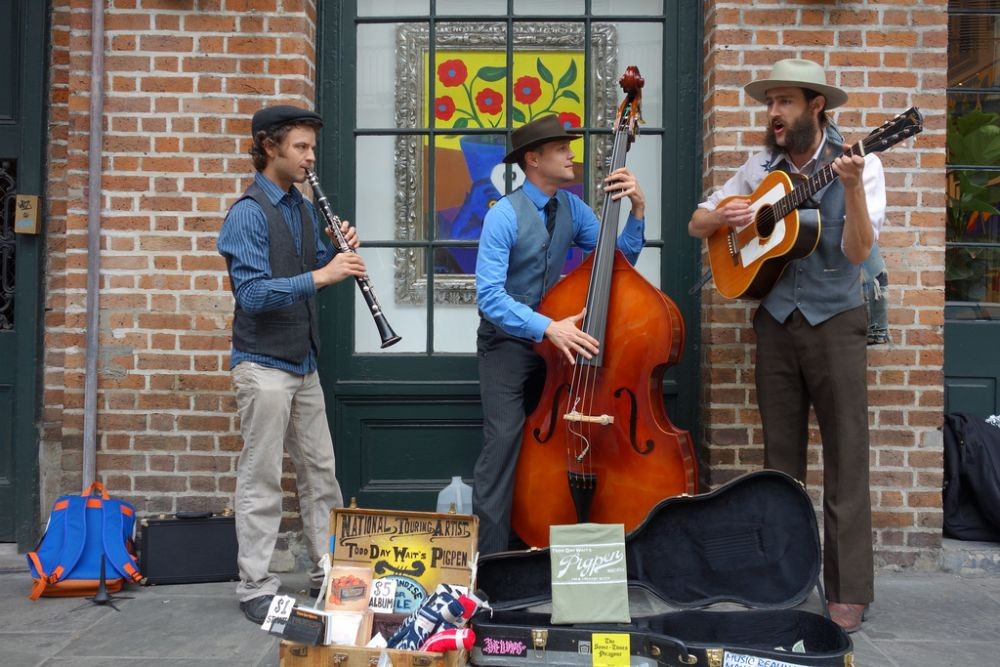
<point>291,654</point>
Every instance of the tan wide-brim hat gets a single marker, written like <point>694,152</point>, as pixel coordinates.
<point>800,74</point>
<point>536,133</point>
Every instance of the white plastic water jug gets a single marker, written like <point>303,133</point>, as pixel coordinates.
<point>458,493</point>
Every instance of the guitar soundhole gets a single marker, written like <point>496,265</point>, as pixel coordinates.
<point>765,222</point>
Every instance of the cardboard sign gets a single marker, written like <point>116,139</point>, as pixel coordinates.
<point>417,550</point>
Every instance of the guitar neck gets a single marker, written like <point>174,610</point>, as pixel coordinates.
<point>806,189</point>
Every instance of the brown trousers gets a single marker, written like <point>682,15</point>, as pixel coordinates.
<point>825,366</point>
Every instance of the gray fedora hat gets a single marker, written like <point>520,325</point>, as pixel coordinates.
<point>800,74</point>
<point>535,133</point>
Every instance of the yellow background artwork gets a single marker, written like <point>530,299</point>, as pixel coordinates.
<point>470,89</point>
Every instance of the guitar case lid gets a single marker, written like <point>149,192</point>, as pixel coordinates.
<point>753,541</point>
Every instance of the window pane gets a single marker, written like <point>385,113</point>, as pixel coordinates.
<point>641,44</point>
<point>627,7</point>
<point>376,92</point>
<point>379,216</point>
<point>455,327</point>
<point>563,7</point>
<point>393,7</point>
<point>408,320</point>
<point>479,8</point>
<point>973,51</point>
<point>973,272</point>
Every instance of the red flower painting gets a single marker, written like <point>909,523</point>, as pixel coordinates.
<point>489,101</point>
<point>527,90</point>
<point>444,107</point>
<point>452,73</point>
<point>569,119</point>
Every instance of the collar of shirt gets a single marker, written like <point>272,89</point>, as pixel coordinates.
<point>537,197</point>
<point>274,193</point>
<point>808,165</point>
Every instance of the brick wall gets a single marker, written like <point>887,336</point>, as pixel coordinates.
<point>888,56</point>
<point>182,79</point>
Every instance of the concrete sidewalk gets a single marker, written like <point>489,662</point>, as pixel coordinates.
<point>918,620</point>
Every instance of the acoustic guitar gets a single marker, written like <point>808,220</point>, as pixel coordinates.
<point>746,262</point>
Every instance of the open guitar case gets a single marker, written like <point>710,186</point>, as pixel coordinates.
<point>753,542</point>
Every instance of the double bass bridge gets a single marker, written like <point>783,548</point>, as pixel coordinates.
<point>603,420</point>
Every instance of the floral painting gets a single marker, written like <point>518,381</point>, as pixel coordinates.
<point>474,94</point>
<point>470,89</point>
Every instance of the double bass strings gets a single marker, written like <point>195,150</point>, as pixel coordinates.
<point>583,394</point>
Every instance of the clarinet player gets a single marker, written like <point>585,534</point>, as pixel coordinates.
<point>277,262</point>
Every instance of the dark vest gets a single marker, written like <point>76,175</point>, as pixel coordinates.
<point>536,261</point>
<point>824,283</point>
<point>285,333</point>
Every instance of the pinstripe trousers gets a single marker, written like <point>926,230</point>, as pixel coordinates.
<point>826,366</point>
<point>511,377</point>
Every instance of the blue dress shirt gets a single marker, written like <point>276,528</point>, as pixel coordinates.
<point>244,243</point>
<point>499,236</point>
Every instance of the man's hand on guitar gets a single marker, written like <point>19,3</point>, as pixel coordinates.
<point>849,169</point>
<point>568,338</point>
<point>735,214</point>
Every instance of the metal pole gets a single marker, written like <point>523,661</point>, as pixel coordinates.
<point>94,197</point>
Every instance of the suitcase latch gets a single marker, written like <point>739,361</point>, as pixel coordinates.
<point>714,657</point>
<point>338,658</point>
<point>299,651</point>
<point>539,639</point>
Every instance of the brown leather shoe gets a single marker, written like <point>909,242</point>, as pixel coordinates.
<point>847,616</point>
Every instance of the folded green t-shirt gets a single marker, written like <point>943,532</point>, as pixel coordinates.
<point>589,580</point>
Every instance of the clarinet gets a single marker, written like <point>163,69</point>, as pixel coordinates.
<point>385,331</point>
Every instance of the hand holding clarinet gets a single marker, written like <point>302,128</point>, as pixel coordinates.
<point>343,264</point>
<point>347,262</point>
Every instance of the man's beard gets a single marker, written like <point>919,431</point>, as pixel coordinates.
<point>799,136</point>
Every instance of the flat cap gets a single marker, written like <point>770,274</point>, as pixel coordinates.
<point>272,117</point>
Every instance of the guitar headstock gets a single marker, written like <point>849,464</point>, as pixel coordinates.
<point>905,125</point>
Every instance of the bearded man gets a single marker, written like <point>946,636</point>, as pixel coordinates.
<point>811,327</point>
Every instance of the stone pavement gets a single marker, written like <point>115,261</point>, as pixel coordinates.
<point>919,619</point>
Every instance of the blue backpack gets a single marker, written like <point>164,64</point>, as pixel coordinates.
<point>83,531</point>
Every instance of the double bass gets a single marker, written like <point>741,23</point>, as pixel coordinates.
<point>599,446</point>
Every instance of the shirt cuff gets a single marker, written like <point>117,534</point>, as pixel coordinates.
<point>536,326</point>
<point>303,286</point>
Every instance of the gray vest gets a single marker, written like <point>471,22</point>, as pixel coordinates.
<point>536,260</point>
<point>285,333</point>
<point>824,283</point>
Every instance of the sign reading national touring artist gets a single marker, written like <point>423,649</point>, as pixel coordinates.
<point>418,550</point>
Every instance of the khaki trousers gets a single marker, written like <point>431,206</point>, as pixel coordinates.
<point>281,412</point>
<point>825,366</point>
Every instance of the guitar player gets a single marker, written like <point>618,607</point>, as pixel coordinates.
<point>811,326</point>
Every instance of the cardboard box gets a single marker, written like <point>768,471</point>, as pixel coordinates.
<point>299,655</point>
<point>419,550</point>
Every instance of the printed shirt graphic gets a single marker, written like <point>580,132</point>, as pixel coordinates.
<point>589,580</point>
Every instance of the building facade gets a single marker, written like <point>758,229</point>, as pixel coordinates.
<point>181,79</point>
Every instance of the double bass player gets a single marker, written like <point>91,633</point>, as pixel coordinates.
<point>524,242</point>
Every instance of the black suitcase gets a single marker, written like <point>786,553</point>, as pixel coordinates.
<point>188,548</point>
<point>753,541</point>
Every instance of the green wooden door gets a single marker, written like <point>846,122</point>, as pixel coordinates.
<point>399,163</point>
<point>22,67</point>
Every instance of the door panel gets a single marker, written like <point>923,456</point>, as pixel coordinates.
<point>972,367</point>
<point>22,120</point>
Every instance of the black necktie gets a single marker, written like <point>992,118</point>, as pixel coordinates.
<point>550,214</point>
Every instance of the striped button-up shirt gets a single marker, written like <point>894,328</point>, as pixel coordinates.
<point>243,241</point>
